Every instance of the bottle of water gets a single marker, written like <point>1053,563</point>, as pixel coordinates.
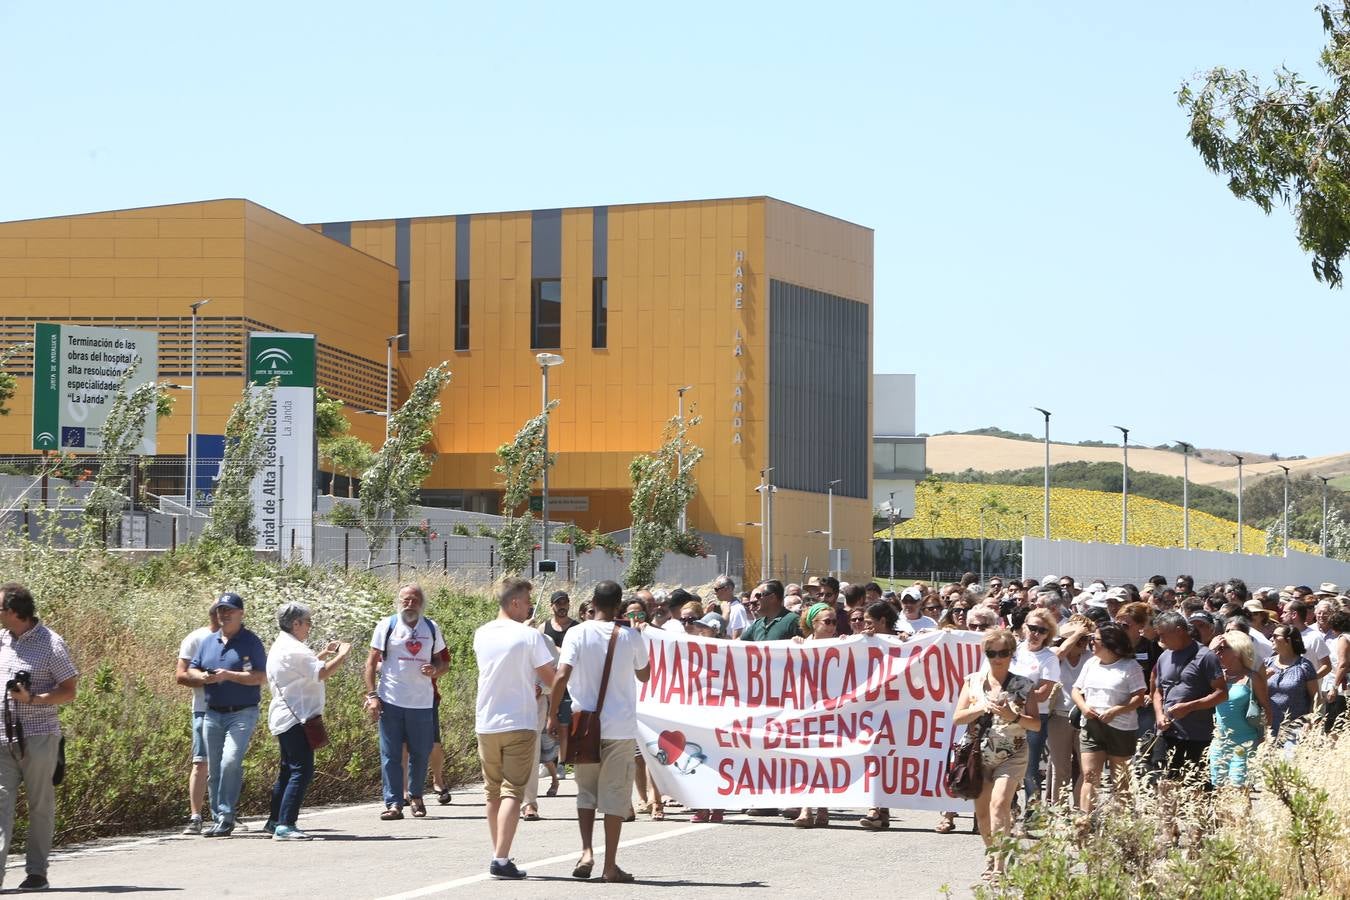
<point>248,665</point>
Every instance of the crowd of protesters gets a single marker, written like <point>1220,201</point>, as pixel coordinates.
<point>1171,682</point>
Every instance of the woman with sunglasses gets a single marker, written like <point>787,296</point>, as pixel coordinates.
<point>1293,685</point>
<point>819,623</point>
<point>1236,736</point>
<point>1035,660</point>
<point>1108,692</point>
<point>1006,703</point>
<point>879,619</point>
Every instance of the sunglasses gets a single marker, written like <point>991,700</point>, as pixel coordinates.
<point>1038,629</point>
<point>998,654</point>
<point>855,618</point>
<point>641,616</point>
<point>688,621</point>
<point>828,621</point>
<point>932,609</point>
<point>980,627</point>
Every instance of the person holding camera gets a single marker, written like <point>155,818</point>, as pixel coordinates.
<point>39,676</point>
<point>296,675</point>
<point>231,666</point>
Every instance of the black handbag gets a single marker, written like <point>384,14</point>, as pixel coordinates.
<point>965,761</point>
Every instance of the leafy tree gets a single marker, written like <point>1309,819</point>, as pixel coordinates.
<point>390,485</point>
<point>329,422</point>
<point>1287,143</point>
<point>8,383</point>
<point>521,463</point>
<point>123,431</point>
<point>663,485</point>
<point>245,452</point>
<point>349,455</point>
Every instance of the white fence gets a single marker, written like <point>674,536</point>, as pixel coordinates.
<point>1120,563</point>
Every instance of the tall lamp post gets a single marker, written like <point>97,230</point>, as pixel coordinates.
<point>679,454</point>
<point>891,515</point>
<point>1186,492</point>
<point>766,491</point>
<point>829,488</point>
<point>1124,484</point>
<point>389,380</point>
<point>1324,481</point>
<point>1285,528</point>
<point>546,362</point>
<point>1239,528</point>
<point>1046,413</point>
<point>192,417</point>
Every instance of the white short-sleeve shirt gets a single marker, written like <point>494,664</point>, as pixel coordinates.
<point>584,649</point>
<point>293,676</point>
<point>508,654</point>
<point>188,651</point>
<point>1105,685</point>
<point>410,648</point>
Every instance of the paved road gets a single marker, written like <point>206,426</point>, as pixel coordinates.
<point>446,854</point>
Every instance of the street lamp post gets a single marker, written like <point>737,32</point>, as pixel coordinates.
<point>891,514</point>
<point>829,488</point>
<point>389,380</point>
<point>1186,492</point>
<point>1285,528</point>
<point>1324,481</point>
<point>1124,484</point>
<point>1239,528</point>
<point>766,491</point>
<point>679,454</point>
<point>546,362</point>
<point>1046,413</point>
<point>192,417</point>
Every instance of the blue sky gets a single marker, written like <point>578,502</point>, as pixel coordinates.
<point>1045,235</point>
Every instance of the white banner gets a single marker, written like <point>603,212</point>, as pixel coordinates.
<point>853,722</point>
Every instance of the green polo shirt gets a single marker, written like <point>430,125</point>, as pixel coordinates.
<point>780,628</point>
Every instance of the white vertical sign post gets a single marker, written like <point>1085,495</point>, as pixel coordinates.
<point>283,491</point>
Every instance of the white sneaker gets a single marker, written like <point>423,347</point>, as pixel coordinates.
<point>286,833</point>
<point>194,826</point>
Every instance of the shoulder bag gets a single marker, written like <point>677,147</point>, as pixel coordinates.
<point>965,763</point>
<point>583,742</point>
<point>316,733</point>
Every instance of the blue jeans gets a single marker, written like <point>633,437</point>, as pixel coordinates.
<point>227,736</point>
<point>297,771</point>
<point>1031,782</point>
<point>400,725</point>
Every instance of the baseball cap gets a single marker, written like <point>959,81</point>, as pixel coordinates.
<point>1199,616</point>
<point>233,601</point>
<point>1117,593</point>
<point>1097,601</point>
<point>711,620</point>
<point>1050,579</point>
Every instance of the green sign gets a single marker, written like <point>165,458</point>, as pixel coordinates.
<point>289,358</point>
<point>77,371</point>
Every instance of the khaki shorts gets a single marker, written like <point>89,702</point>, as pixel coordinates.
<point>508,762</point>
<point>607,787</point>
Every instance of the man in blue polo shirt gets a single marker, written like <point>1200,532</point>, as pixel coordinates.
<point>231,665</point>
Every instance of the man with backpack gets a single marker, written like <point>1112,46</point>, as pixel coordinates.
<point>405,658</point>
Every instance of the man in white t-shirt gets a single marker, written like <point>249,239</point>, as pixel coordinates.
<point>512,657</point>
<point>738,617</point>
<point>197,777</point>
<point>912,618</point>
<point>1299,614</point>
<point>606,787</point>
<point>405,651</point>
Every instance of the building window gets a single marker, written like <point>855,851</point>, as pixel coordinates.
<point>600,313</point>
<point>404,314</point>
<point>546,314</point>
<point>462,314</point>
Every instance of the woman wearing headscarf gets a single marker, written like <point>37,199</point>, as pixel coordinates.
<point>820,622</point>
<point>296,675</point>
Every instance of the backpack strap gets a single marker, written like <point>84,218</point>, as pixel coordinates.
<point>388,632</point>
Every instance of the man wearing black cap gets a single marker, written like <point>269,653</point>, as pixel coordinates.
<point>231,665</point>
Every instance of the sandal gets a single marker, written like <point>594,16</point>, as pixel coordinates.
<point>946,826</point>
<point>804,822</point>
<point>419,809</point>
<point>530,815</point>
<point>644,807</point>
<point>583,870</point>
<point>391,814</point>
<point>443,797</point>
<point>822,818</point>
<point>876,820</point>
<point>658,814</point>
<point>552,789</point>
<point>620,877</point>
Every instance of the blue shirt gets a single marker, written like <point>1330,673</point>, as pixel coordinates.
<point>241,653</point>
<point>1185,675</point>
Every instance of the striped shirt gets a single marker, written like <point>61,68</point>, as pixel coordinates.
<point>41,651</point>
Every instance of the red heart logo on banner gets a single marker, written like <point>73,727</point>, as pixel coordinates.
<point>671,743</point>
<point>414,647</point>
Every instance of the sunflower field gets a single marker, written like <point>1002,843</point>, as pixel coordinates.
<point>947,509</point>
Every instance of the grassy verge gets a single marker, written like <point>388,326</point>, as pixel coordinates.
<point>128,737</point>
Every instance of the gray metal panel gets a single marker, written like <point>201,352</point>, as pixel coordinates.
<point>338,231</point>
<point>600,242</point>
<point>461,247</point>
<point>818,390</point>
<point>403,248</point>
<point>546,243</point>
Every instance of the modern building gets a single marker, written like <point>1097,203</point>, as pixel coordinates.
<point>899,457</point>
<point>760,309</point>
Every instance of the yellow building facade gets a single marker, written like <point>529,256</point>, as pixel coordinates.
<point>761,309</point>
